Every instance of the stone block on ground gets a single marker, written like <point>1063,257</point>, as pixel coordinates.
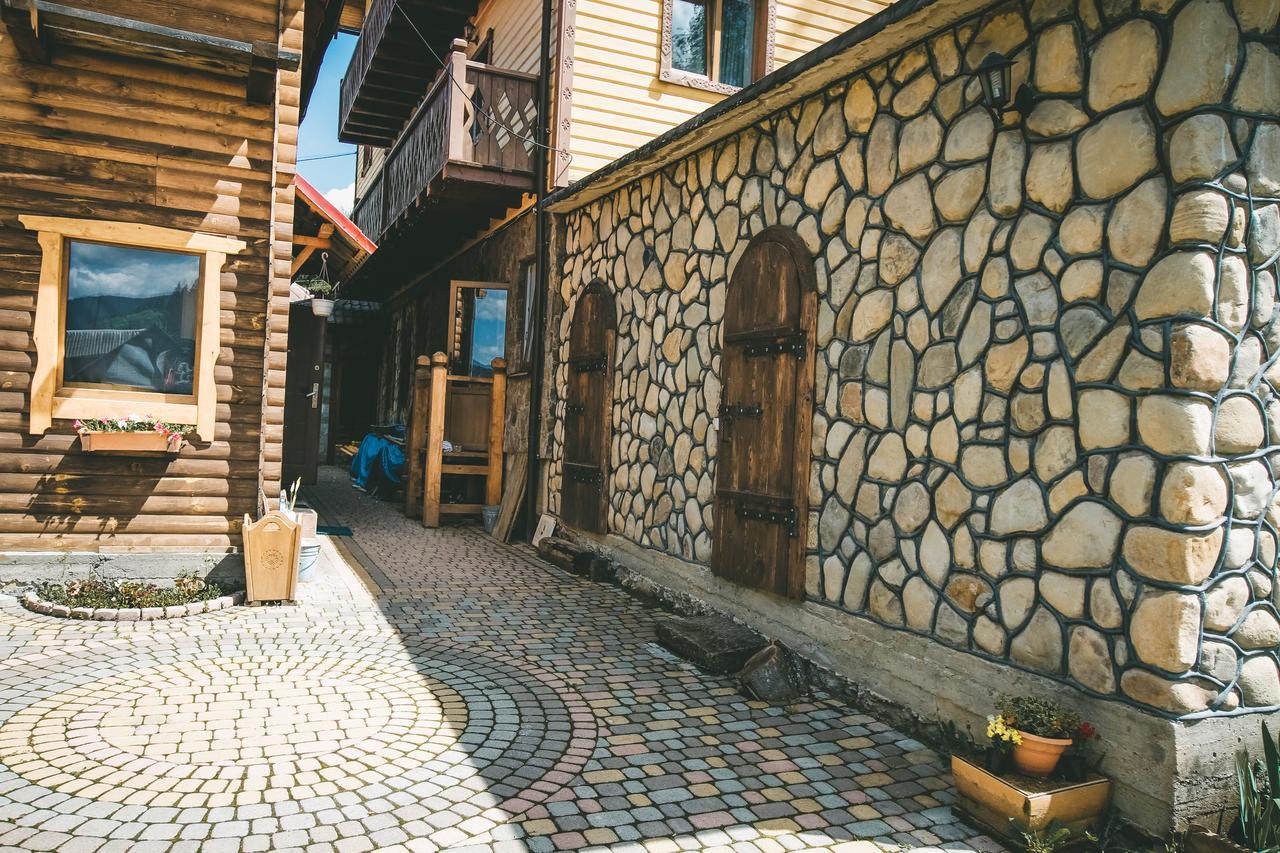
<point>714,643</point>
<point>774,675</point>
<point>560,552</point>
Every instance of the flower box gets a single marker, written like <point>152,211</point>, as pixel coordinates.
<point>134,434</point>
<point>129,442</point>
<point>1030,803</point>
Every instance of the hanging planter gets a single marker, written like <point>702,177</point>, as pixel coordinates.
<point>134,434</point>
<point>322,292</point>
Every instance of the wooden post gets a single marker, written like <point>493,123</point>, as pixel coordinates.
<point>459,140</point>
<point>417,434</point>
<point>497,423</point>
<point>435,441</point>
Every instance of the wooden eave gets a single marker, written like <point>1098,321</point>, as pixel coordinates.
<point>321,21</point>
<point>39,27</point>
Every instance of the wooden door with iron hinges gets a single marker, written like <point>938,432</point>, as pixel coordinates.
<point>766,368</point>
<point>588,415</point>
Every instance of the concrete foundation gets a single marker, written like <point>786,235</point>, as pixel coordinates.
<point>24,568</point>
<point>1168,773</point>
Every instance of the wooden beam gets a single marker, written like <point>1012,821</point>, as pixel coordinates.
<point>127,36</point>
<point>260,85</point>
<point>23,25</point>
<point>300,259</point>
<point>312,242</point>
<point>435,441</point>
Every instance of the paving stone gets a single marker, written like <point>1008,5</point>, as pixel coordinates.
<point>446,692</point>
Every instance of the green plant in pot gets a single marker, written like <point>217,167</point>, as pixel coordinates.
<point>1076,761</point>
<point>1046,731</point>
<point>322,293</point>
<point>1004,739</point>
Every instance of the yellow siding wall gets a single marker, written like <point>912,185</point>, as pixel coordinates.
<point>618,101</point>
<point>517,28</point>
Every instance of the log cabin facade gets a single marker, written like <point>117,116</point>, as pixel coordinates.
<point>146,211</point>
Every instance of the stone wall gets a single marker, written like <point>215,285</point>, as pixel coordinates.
<point>1045,412</point>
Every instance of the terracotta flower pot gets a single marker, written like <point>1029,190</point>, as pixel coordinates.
<point>1038,756</point>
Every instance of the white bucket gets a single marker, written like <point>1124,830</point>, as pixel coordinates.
<point>308,559</point>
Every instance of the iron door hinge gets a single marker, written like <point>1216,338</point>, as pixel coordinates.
<point>729,413</point>
<point>589,364</point>
<point>580,473</point>
<point>794,345</point>
<point>766,508</point>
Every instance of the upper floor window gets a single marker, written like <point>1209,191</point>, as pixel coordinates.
<point>721,45</point>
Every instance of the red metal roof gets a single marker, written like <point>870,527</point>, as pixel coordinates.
<point>337,217</point>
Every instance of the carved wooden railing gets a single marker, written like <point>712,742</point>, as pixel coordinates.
<point>473,115</point>
<point>371,33</point>
<point>371,210</point>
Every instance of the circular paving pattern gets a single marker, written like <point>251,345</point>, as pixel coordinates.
<point>233,719</point>
<point>489,729</point>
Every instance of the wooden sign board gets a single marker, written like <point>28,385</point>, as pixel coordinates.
<point>546,527</point>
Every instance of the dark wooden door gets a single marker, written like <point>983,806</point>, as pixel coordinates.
<point>303,385</point>
<point>589,411</point>
<point>766,367</point>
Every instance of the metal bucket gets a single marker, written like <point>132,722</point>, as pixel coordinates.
<point>490,514</point>
<point>308,559</point>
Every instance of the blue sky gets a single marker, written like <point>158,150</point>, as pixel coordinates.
<point>318,137</point>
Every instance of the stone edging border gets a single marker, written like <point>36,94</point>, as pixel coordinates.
<point>36,604</point>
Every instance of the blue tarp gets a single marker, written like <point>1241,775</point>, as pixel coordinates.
<point>378,465</point>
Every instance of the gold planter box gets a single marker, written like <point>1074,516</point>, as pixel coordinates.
<point>129,442</point>
<point>1032,804</point>
<point>272,545</point>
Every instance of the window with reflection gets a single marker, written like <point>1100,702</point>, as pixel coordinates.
<point>724,41</point>
<point>689,35</point>
<point>131,317</point>
<point>479,331</point>
<point>737,42</point>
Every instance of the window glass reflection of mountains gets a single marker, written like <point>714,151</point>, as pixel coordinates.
<point>131,318</point>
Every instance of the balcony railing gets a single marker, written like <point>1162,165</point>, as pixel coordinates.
<point>391,67</point>
<point>472,132</point>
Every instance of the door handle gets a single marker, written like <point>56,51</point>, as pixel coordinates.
<point>315,394</point>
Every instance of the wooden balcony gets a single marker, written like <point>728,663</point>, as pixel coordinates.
<point>391,68</point>
<point>465,156</point>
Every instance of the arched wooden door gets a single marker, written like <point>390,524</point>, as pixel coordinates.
<point>766,368</point>
<point>589,411</point>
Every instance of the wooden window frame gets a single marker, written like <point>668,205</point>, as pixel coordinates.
<point>49,397</point>
<point>457,285</point>
<point>765,40</point>
<point>527,278</point>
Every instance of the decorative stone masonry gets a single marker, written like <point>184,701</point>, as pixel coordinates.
<point>36,604</point>
<point>1046,420</point>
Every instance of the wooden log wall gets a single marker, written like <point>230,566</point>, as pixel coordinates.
<point>104,136</point>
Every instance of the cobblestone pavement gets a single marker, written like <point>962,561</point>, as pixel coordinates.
<point>432,690</point>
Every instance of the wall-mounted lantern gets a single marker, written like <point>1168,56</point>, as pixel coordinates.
<point>995,74</point>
